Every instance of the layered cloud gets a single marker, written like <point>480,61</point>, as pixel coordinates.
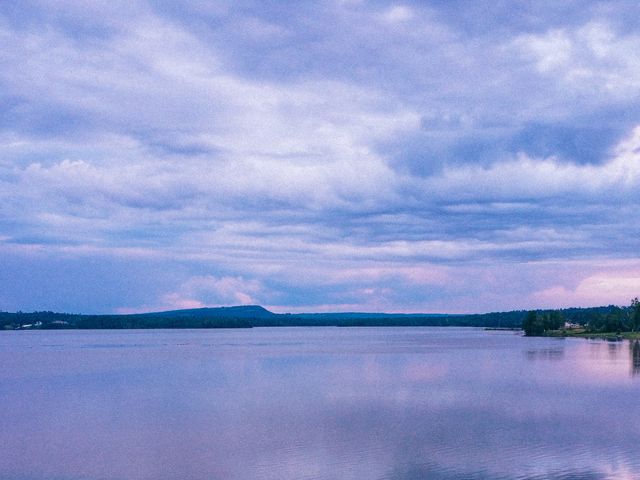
<point>345,155</point>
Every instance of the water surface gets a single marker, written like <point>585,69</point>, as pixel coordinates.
<point>316,403</point>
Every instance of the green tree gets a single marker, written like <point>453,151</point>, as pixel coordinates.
<point>595,321</point>
<point>635,314</point>
<point>553,320</point>
<point>533,324</point>
<point>613,321</point>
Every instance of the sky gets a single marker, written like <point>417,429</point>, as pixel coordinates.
<point>342,155</point>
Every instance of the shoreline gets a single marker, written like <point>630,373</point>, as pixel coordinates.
<point>601,335</point>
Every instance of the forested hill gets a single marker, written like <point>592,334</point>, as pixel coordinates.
<point>255,316</point>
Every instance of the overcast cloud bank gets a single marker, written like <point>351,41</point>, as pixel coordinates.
<point>337,155</point>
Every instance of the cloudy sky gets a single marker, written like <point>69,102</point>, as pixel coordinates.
<point>435,156</point>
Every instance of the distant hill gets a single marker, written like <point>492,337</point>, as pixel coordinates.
<point>243,311</point>
<point>247,316</point>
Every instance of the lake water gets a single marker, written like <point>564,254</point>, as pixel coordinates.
<point>316,403</point>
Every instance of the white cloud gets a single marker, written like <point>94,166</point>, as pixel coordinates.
<point>398,14</point>
<point>187,214</point>
<point>207,291</point>
<point>552,50</point>
<point>222,290</point>
<point>603,288</point>
<point>591,58</point>
<point>529,178</point>
<point>308,142</point>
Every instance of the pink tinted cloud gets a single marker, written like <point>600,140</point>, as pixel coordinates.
<point>601,288</point>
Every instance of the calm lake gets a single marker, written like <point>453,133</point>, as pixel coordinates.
<point>316,403</point>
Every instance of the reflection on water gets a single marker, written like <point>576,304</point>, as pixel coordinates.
<point>614,348</point>
<point>326,403</point>
<point>556,353</point>
<point>634,349</point>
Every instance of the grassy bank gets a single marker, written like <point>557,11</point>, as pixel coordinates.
<point>582,333</point>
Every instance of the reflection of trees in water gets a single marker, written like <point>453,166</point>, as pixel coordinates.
<point>546,354</point>
<point>634,347</point>
<point>614,348</point>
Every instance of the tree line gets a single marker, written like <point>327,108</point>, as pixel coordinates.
<point>539,322</point>
<point>611,319</point>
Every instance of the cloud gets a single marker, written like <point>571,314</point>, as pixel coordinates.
<point>398,14</point>
<point>602,288</point>
<point>206,291</point>
<point>305,159</point>
<point>233,290</point>
<point>526,178</point>
<point>591,57</point>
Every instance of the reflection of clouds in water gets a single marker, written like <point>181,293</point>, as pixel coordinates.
<point>604,360</point>
<point>435,472</point>
<point>273,405</point>
<point>424,427</point>
<point>424,372</point>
